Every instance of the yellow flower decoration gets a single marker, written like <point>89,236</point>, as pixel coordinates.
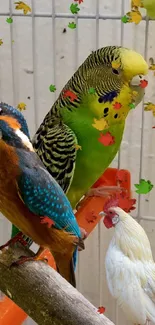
<point>134,16</point>
<point>136,3</point>
<point>77,147</point>
<point>21,106</point>
<point>150,107</point>
<point>22,6</point>
<point>152,65</point>
<point>100,124</point>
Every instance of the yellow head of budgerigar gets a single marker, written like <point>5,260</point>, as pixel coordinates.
<point>132,63</point>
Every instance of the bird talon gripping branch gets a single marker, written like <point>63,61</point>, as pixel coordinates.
<point>23,259</point>
<point>14,240</point>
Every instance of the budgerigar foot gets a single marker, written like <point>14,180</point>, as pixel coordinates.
<point>84,235</point>
<point>78,241</point>
<point>14,240</point>
<point>36,257</point>
<point>102,191</point>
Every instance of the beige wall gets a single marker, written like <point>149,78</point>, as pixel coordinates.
<point>33,51</point>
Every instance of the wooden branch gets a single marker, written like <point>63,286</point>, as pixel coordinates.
<point>43,294</point>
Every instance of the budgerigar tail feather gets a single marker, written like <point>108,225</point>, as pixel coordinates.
<point>65,267</point>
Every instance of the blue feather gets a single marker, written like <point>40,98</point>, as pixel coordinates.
<point>43,195</point>
<point>108,97</point>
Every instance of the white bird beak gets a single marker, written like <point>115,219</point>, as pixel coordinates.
<point>102,214</point>
<point>136,80</point>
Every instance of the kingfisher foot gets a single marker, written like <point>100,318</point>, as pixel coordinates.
<point>23,259</point>
<point>18,238</point>
<point>36,257</point>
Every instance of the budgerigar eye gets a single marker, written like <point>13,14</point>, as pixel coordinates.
<point>115,71</point>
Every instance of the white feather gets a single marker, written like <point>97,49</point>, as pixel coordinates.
<point>130,270</point>
<point>24,139</point>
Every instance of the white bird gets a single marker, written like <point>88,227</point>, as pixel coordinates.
<point>130,268</point>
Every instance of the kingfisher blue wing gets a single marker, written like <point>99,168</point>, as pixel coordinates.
<point>44,197</point>
<point>42,194</point>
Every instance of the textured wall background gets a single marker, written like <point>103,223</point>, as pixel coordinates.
<point>35,54</point>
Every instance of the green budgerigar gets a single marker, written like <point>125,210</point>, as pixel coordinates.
<point>82,132</point>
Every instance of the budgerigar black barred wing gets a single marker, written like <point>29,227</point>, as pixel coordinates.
<point>57,150</point>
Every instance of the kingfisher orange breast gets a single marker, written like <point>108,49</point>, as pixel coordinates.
<point>14,209</point>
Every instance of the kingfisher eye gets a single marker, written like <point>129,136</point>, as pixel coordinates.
<point>1,111</point>
<point>115,71</point>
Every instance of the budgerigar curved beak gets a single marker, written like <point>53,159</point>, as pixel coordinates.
<point>138,85</point>
<point>139,80</point>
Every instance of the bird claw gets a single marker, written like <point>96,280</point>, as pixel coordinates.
<point>102,191</point>
<point>23,259</point>
<point>84,235</point>
<point>14,240</point>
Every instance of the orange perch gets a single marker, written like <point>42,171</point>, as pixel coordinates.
<point>87,217</point>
